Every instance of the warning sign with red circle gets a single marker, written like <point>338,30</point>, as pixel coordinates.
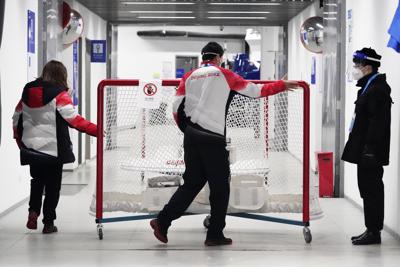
<point>150,89</point>
<point>149,94</point>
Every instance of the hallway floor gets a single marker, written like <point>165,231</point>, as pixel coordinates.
<point>256,243</point>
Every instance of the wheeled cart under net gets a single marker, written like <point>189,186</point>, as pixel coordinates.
<point>140,156</point>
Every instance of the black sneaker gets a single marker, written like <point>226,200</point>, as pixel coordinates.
<point>49,229</point>
<point>357,237</point>
<point>218,241</point>
<point>369,238</point>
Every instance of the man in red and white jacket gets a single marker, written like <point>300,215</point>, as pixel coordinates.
<point>200,108</point>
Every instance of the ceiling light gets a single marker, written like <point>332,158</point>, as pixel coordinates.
<point>162,11</point>
<point>237,17</point>
<point>157,3</point>
<point>247,4</point>
<point>152,17</point>
<point>238,12</point>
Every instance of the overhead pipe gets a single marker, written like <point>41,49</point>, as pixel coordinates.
<point>186,34</point>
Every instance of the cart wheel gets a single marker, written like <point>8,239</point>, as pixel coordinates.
<point>206,221</point>
<point>100,231</point>
<point>307,235</point>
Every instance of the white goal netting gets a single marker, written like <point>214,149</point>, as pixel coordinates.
<point>143,154</point>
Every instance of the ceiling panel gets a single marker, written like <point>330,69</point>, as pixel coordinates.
<point>198,12</point>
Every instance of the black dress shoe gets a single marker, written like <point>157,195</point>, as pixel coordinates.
<point>218,241</point>
<point>357,237</point>
<point>369,238</point>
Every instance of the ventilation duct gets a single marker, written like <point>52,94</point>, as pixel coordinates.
<point>185,34</point>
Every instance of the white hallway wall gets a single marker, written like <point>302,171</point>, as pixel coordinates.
<point>142,57</point>
<point>95,28</point>
<point>299,68</point>
<point>371,20</point>
<point>14,179</point>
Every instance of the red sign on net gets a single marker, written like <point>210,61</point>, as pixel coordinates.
<point>150,89</point>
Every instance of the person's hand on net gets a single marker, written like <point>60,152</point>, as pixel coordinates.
<point>291,85</point>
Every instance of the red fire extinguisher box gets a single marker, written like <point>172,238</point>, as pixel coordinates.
<point>325,173</point>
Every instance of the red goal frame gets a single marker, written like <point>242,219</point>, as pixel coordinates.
<point>135,82</point>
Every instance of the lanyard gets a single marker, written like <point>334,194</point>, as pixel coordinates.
<point>369,82</point>
<point>363,91</point>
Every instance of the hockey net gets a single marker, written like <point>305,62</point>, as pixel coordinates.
<point>140,157</point>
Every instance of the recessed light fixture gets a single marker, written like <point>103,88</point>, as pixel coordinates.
<point>238,12</point>
<point>161,11</point>
<point>153,17</point>
<point>157,3</point>
<point>236,17</point>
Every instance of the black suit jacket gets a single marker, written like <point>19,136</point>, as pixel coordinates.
<point>371,129</point>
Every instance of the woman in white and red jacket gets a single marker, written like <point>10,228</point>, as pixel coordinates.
<point>40,123</point>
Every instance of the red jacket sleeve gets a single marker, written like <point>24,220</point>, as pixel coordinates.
<point>246,88</point>
<point>69,113</point>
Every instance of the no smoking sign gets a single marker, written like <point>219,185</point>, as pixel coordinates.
<point>150,89</point>
<point>149,94</point>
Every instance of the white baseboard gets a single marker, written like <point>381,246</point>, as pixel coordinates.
<point>13,207</point>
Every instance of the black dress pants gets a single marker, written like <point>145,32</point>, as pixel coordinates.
<point>45,178</point>
<point>371,188</point>
<point>206,160</point>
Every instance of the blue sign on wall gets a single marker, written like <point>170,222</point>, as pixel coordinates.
<point>313,70</point>
<point>179,73</point>
<point>75,74</point>
<point>31,32</point>
<point>99,51</point>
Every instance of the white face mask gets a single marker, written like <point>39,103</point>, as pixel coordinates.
<point>357,74</point>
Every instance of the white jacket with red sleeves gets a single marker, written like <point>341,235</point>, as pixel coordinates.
<point>205,94</point>
<point>42,117</point>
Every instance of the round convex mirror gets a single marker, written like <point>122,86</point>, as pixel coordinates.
<point>74,28</point>
<point>312,33</point>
